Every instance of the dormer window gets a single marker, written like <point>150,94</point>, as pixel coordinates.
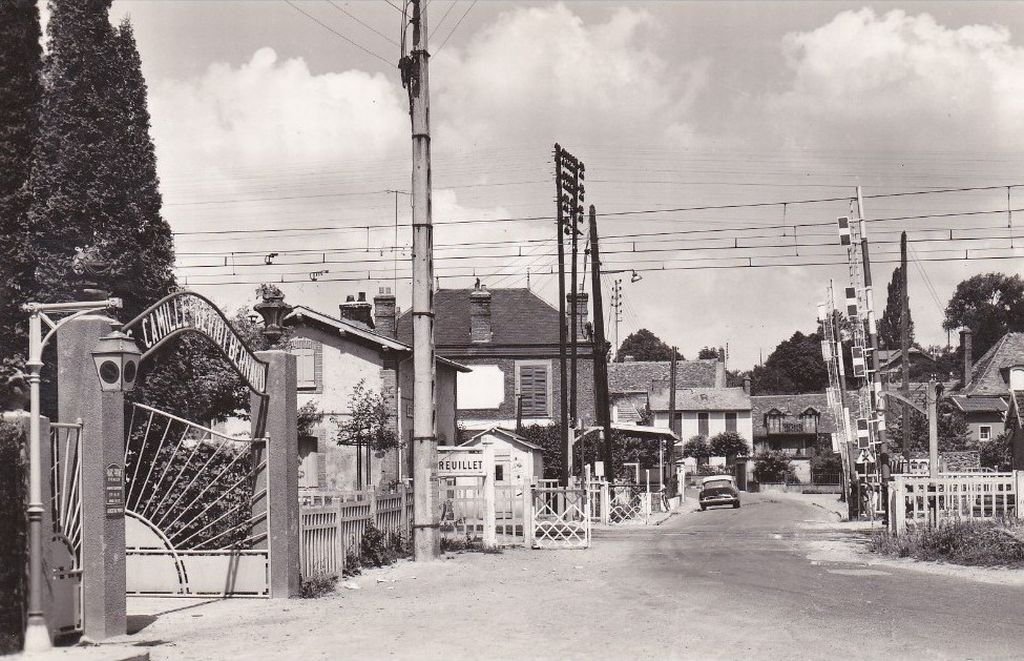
<point>809,420</point>
<point>1017,377</point>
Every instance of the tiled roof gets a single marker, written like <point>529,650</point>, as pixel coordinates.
<point>301,313</point>
<point>639,376</point>
<point>791,406</point>
<point>887,357</point>
<point>980,403</point>
<point>986,375</point>
<point>702,399</point>
<point>518,317</point>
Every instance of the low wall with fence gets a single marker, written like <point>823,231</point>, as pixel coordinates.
<point>332,524</point>
<point>916,499</point>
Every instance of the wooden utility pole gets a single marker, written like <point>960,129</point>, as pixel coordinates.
<point>426,541</point>
<point>575,219</point>
<point>563,382</point>
<point>905,347</point>
<point>877,400</point>
<point>672,394</point>
<point>604,410</point>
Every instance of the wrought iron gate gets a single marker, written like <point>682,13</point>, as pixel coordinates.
<point>196,511</point>
<point>561,518</point>
<point>66,515</point>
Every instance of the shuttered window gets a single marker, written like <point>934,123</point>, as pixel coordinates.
<point>702,423</point>
<point>307,356</point>
<point>533,390</point>
<point>730,421</point>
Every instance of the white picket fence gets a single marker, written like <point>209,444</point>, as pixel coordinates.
<point>332,524</point>
<point>915,499</point>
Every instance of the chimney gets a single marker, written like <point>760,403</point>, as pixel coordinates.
<point>581,314</point>
<point>480,315</point>
<point>359,311</point>
<point>746,384</point>
<point>385,313</point>
<point>966,341</point>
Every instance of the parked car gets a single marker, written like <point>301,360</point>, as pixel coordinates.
<point>718,490</point>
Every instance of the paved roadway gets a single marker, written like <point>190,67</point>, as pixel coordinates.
<point>721,584</point>
<point>750,570</point>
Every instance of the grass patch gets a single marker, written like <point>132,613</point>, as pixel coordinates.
<point>972,543</point>
<point>466,544</point>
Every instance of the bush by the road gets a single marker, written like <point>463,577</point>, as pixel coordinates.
<point>975,543</point>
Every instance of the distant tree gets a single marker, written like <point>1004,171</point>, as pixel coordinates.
<point>954,434</point>
<point>698,448</point>
<point>990,304</point>
<point>728,444</point>
<point>645,345</point>
<point>998,453</point>
<point>772,466</point>
<point>20,91</point>
<point>708,352</point>
<point>889,332</point>
<point>94,178</point>
<point>734,378</point>
<point>307,417</point>
<point>370,421</point>
<point>794,367</point>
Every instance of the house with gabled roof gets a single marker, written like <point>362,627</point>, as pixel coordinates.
<point>509,340</point>
<point>631,381</point>
<point>333,355</point>
<point>703,411</point>
<point>792,424</point>
<point>984,395</point>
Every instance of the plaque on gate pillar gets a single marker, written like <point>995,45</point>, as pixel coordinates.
<point>115,491</point>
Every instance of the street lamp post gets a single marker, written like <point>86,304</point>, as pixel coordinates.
<point>37,635</point>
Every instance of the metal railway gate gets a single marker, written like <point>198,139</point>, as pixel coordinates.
<point>196,512</point>
<point>561,518</point>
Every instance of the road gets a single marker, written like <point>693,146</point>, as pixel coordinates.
<point>722,584</point>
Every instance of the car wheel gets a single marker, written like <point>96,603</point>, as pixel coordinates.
<point>703,507</point>
<point>736,505</point>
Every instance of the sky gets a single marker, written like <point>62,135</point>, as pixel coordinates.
<point>705,129</point>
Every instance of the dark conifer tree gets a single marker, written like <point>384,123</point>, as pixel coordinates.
<point>20,89</point>
<point>889,326</point>
<point>94,182</point>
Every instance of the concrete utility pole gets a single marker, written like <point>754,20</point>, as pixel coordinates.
<point>426,542</point>
<point>905,346</point>
<point>933,429</point>
<point>877,400</point>
<point>604,411</point>
<point>672,395</point>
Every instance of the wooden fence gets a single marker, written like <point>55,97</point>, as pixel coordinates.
<point>921,499</point>
<point>332,524</point>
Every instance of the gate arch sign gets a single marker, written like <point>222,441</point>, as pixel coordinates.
<point>185,311</point>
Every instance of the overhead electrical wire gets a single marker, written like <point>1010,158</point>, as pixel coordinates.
<point>337,33</point>
<point>462,18</point>
<point>360,22</point>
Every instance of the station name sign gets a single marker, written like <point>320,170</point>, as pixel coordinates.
<point>460,463</point>
<point>188,311</point>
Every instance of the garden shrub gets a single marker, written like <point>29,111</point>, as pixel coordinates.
<point>318,585</point>
<point>963,542</point>
<point>13,541</point>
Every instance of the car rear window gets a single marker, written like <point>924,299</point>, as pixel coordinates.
<point>717,484</point>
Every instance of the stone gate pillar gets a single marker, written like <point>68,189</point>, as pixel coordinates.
<point>282,471</point>
<point>102,414</point>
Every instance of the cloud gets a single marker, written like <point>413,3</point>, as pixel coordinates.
<point>542,72</point>
<point>270,112</point>
<point>902,81</point>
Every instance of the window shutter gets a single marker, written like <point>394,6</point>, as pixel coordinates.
<point>702,423</point>
<point>533,386</point>
<point>730,421</point>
